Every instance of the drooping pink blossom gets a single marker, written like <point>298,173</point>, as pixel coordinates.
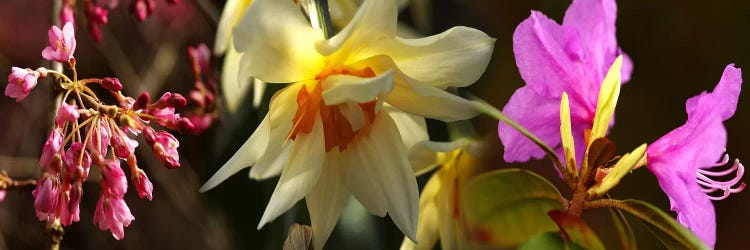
<point>62,44</point>
<point>164,146</point>
<point>683,160</point>
<point>99,141</point>
<point>66,113</point>
<point>143,185</point>
<point>96,17</point>
<point>69,205</point>
<point>20,83</point>
<point>113,180</point>
<point>574,58</point>
<point>51,147</point>
<point>75,163</point>
<point>113,214</point>
<point>122,144</point>
<point>45,197</point>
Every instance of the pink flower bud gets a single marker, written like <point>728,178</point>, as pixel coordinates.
<point>113,179</point>
<point>20,83</point>
<point>112,84</point>
<point>45,197</point>
<point>201,123</point>
<point>165,148</point>
<point>62,44</point>
<point>51,147</point>
<point>143,185</point>
<point>140,9</point>
<point>79,167</point>
<point>112,214</point>
<point>142,101</point>
<point>66,113</point>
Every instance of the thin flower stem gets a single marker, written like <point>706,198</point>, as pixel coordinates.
<point>8,183</point>
<point>489,110</point>
<point>320,18</point>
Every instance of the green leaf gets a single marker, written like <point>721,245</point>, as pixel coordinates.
<point>672,234</point>
<point>575,230</point>
<point>627,239</point>
<point>548,241</point>
<point>505,208</point>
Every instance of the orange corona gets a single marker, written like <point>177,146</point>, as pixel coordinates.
<point>336,128</point>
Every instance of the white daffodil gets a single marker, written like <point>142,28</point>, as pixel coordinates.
<point>355,104</point>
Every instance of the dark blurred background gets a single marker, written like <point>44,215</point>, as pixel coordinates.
<point>679,49</point>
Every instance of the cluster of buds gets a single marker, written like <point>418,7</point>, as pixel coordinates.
<point>202,98</point>
<point>96,12</point>
<point>87,131</point>
<point>143,8</point>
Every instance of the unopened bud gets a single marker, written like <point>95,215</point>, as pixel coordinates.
<point>112,84</point>
<point>142,101</point>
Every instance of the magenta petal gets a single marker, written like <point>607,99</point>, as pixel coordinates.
<point>595,22</point>
<point>723,100</point>
<point>536,113</point>
<point>543,55</point>
<point>693,207</point>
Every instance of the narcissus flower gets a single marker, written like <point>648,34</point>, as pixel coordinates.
<point>353,109</point>
<point>684,159</point>
<point>573,58</point>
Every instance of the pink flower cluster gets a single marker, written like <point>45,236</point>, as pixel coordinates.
<point>87,130</point>
<point>202,97</point>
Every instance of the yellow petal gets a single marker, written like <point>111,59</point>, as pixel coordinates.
<point>275,51</point>
<point>427,224</point>
<point>627,163</point>
<point>233,89</point>
<point>230,16</point>
<point>566,135</point>
<point>607,101</point>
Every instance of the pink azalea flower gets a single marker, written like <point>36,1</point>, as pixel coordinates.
<point>143,185</point>
<point>62,44</point>
<point>112,214</point>
<point>46,197</point>
<point>66,113</point>
<point>20,83</point>
<point>682,160</point>
<point>51,147</point>
<point>573,57</point>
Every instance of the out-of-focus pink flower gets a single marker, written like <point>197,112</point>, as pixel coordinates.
<point>2,195</point>
<point>66,113</point>
<point>110,4</point>
<point>67,14</point>
<point>62,44</point>
<point>200,56</point>
<point>96,17</point>
<point>201,123</point>
<point>143,185</point>
<point>20,83</point>
<point>142,8</point>
<point>45,197</point>
<point>51,147</point>
<point>113,179</point>
<point>112,214</point>
<point>75,164</point>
